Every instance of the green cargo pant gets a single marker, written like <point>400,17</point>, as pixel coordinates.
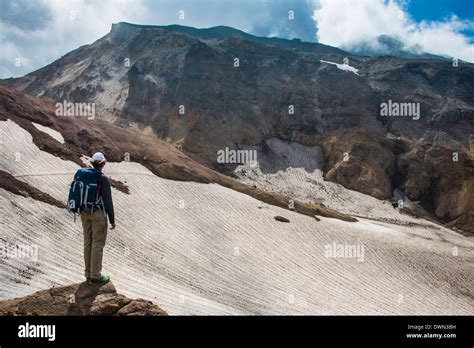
<point>95,234</point>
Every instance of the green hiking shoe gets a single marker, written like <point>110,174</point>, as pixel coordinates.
<point>102,280</point>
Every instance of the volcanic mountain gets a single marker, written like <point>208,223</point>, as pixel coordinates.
<point>205,90</point>
<point>308,229</point>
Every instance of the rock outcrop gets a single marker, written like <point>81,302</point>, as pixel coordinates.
<point>12,184</point>
<point>359,162</point>
<point>438,175</point>
<point>79,299</point>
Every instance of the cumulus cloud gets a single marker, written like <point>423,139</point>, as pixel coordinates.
<point>51,28</point>
<point>19,14</point>
<point>287,19</point>
<point>35,33</point>
<point>348,23</point>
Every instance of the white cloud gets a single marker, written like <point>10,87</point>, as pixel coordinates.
<point>71,24</point>
<point>41,31</point>
<point>52,28</point>
<point>345,23</point>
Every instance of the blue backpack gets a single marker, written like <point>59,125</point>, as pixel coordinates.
<point>84,191</point>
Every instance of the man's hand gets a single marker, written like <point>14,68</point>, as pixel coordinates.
<point>113,226</point>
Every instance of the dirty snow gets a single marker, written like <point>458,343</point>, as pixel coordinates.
<point>205,249</point>
<point>52,132</point>
<point>295,170</point>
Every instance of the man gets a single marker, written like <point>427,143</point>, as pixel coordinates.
<point>94,223</point>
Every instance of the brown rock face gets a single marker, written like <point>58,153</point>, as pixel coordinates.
<point>12,184</point>
<point>79,299</point>
<point>438,175</point>
<point>359,162</point>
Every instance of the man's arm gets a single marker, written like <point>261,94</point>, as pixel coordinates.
<point>107,198</point>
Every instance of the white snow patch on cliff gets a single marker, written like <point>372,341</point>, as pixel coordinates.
<point>345,67</point>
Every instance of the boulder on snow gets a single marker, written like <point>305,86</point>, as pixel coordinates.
<point>281,218</point>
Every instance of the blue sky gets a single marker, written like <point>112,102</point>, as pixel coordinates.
<point>34,33</point>
<point>437,10</point>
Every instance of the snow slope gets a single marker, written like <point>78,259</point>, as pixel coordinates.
<point>52,132</point>
<point>295,171</point>
<point>205,249</point>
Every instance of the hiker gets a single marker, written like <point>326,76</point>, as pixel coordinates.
<point>91,197</point>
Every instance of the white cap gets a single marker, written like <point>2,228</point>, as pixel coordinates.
<point>98,157</point>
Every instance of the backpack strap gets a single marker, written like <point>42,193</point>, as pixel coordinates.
<point>98,186</point>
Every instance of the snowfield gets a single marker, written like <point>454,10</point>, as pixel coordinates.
<point>205,249</point>
<point>295,171</point>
